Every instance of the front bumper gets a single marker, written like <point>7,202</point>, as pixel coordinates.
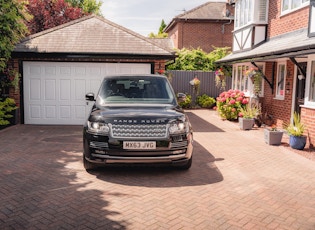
<point>106,150</point>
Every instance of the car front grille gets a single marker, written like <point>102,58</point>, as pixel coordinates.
<point>139,130</point>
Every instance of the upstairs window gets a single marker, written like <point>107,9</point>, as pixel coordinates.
<point>311,26</point>
<point>250,12</point>
<point>290,5</point>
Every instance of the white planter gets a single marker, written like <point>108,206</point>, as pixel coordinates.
<point>246,123</point>
<point>273,137</point>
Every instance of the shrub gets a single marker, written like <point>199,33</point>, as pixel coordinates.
<point>229,104</point>
<point>6,107</point>
<point>205,101</point>
<point>187,103</point>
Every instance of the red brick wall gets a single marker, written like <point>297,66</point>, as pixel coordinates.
<point>204,35</point>
<point>279,109</point>
<point>307,117</point>
<point>282,24</point>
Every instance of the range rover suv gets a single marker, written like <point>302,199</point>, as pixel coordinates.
<point>136,120</point>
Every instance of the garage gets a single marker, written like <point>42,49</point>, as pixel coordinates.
<point>54,92</point>
<point>60,65</point>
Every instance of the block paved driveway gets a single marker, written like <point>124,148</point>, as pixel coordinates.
<point>236,182</point>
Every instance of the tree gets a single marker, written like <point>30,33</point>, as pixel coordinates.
<point>197,59</point>
<point>12,27</point>
<point>88,6</point>
<point>51,13</point>
<point>161,33</point>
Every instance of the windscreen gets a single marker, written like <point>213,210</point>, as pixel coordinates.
<point>143,90</point>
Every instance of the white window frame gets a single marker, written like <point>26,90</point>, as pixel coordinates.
<point>280,93</point>
<point>242,83</point>
<point>247,12</point>
<point>291,7</point>
<point>310,83</point>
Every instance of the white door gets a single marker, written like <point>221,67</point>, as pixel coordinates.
<point>54,92</point>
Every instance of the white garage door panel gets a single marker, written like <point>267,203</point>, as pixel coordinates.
<point>54,92</point>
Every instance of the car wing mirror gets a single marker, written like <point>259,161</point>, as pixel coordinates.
<point>181,97</point>
<point>90,97</point>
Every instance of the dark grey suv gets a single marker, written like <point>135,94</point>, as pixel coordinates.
<point>136,120</point>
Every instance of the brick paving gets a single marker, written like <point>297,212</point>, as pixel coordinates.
<point>236,182</point>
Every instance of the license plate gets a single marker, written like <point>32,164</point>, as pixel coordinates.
<point>139,145</point>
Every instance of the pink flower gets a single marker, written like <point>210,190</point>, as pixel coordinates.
<point>239,99</point>
<point>245,101</point>
<point>240,114</point>
<point>233,109</point>
<point>232,102</point>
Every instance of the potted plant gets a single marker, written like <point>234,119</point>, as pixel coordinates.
<point>296,132</point>
<point>272,135</point>
<point>220,81</point>
<point>247,116</point>
<point>255,76</point>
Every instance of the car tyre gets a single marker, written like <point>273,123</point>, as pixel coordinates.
<point>88,165</point>
<point>185,166</point>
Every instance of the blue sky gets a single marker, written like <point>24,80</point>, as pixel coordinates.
<point>145,16</point>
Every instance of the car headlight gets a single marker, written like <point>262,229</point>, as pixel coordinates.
<point>178,127</point>
<point>98,127</point>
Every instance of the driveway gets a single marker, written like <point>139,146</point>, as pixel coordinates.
<point>236,182</point>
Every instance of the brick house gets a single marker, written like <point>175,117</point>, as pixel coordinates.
<point>60,65</point>
<point>205,26</point>
<point>278,37</point>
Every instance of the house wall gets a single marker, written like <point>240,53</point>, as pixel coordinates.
<point>280,110</point>
<point>307,117</point>
<point>279,24</point>
<point>204,35</point>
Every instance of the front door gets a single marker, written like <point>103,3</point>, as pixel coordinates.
<point>300,88</point>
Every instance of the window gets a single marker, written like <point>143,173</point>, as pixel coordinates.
<point>250,11</point>
<point>311,26</point>
<point>243,83</point>
<point>312,83</point>
<point>280,81</point>
<point>289,5</point>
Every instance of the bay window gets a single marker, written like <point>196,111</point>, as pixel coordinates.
<point>242,82</point>
<point>250,12</point>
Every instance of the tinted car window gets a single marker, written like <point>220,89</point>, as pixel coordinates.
<point>136,90</point>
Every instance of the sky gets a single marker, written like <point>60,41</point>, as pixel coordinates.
<point>145,16</point>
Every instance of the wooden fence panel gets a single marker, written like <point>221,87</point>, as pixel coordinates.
<point>180,82</point>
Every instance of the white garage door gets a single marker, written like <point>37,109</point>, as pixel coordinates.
<point>54,92</point>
